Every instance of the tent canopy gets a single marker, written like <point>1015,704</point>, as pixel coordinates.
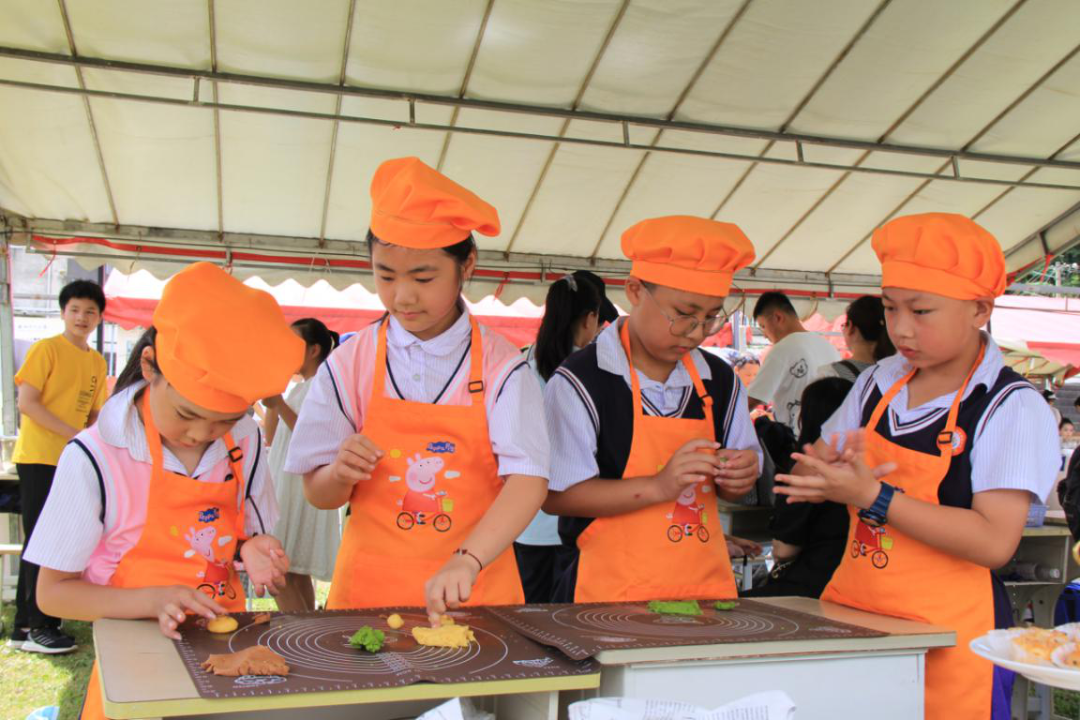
<point>147,134</point>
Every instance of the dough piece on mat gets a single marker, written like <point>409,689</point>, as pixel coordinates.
<point>256,660</point>
<point>448,636</point>
<point>675,607</point>
<point>394,622</point>
<point>222,624</point>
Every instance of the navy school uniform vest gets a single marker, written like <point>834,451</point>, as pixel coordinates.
<point>611,409</point>
<point>955,489</point>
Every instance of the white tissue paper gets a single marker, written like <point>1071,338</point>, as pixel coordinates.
<point>774,705</point>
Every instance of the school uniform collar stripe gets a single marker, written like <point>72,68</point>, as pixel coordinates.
<point>917,423</point>
<point>586,399</point>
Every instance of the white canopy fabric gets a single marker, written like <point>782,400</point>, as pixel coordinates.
<point>252,127</point>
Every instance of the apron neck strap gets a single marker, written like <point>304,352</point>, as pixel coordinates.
<point>476,361</point>
<point>378,388</point>
<point>945,438</point>
<point>688,363</point>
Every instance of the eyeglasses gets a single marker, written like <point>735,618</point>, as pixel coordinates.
<point>685,325</point>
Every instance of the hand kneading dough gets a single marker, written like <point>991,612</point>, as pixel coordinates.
<point>395,622</point>
<point>257,660</point>
<point>222,624</point>
<point>448,636</point>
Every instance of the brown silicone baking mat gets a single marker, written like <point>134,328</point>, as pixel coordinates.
<point>583,630</point>
<point>316,647</point>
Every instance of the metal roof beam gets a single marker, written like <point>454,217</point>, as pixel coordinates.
<point>535,110</point>
<point>308,247</point>
<point>612,28</point>
<point>89,113</point>
<point>701,68</point>
<point>342,76</point>
<point>549,137</point>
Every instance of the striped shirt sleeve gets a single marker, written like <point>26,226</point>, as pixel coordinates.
<point>573,427</point>
<point>321,427</point>
<point>740,433</point>
<point>70,527</point>
<point>516,426</point>
<point>261,506</point>
<point>1016,445</point>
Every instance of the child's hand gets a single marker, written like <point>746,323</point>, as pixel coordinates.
<point>741,547</point>
<point>738,471</point>
<point>451,586</point>
<point>693,463</point>
<point>266,564</point>
<point>171,604</point>
<point>273,403</point>
<point>356,460</point>
<point>847,481</point>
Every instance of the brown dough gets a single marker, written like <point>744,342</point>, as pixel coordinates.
<point>257,660</point>
<point>260,619</point>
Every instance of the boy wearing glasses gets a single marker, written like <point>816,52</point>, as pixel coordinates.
<point>646,429</point>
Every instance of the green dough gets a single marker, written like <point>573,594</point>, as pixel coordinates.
<point>675,607</point>
<point>368,638</point>
<point>726,604</point>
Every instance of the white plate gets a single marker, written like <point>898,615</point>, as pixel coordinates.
<point>996,647</point>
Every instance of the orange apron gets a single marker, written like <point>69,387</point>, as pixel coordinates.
<point>669,550</point>
<point>890,573</point>
<point>436,480</point>
<point>189,538</point>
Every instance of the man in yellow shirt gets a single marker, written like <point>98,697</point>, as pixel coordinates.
<point>62,386</point>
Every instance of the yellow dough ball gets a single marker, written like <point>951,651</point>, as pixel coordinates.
<point>222,625</point>
<point>395,622</point>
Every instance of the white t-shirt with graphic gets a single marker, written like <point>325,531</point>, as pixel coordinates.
<point>790,366</point>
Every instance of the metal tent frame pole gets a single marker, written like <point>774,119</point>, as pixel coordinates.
<point>7,336</point>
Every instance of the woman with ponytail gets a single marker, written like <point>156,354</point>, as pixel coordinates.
<point>311,536</point>
<point>574,311</point>
<point>866,338</point>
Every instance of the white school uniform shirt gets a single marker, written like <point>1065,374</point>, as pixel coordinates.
<point>574,434</point>
<point>544,528</point>
<point>422,369</point>
<point>70,527</point>
<point>790,366</point>
<point>1015,444</point>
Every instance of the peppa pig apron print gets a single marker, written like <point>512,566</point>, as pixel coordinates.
<point>190,538</point>
<point>437,479</point>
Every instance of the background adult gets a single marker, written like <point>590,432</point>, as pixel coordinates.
<point>866,338</point>
<point>793,361</point>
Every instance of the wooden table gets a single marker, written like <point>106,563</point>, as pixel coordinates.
<point>829,679</point>
<point>143,677</point>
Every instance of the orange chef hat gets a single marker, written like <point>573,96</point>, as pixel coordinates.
<point>940,253</point>
<point>222,344</point>
<point>417,207</point>
<point>688,253</point>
